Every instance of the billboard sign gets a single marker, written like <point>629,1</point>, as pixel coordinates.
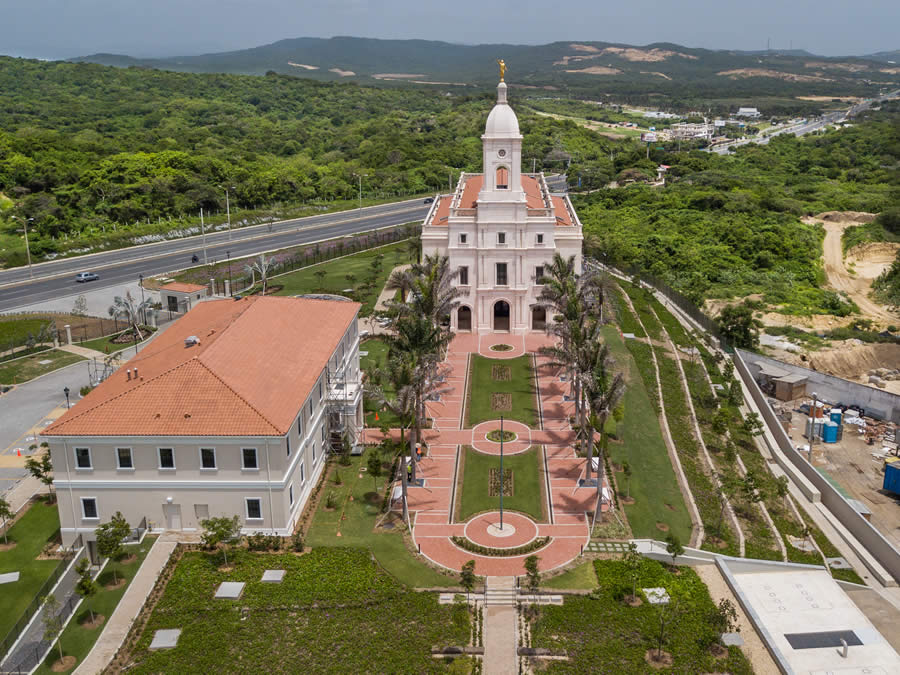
<point>649,137</point>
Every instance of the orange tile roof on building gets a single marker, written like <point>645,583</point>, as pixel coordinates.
<point>533,199</point>
<point>181,287</point>
<point>256,362</point>
<point>469,199</point>
<point>442,212</point>
<point>563,217</point>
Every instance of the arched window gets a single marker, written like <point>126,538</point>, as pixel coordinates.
<point>502,178</point>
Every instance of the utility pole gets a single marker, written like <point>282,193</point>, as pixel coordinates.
<point>228,210</point>
<point>25,222</point>
<point>203,232</point>
<point>360,177</point>
<point>230,289</point>
<point>143,309</point>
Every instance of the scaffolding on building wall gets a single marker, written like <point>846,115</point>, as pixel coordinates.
<point>342,414</point>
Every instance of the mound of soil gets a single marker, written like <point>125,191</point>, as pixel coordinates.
<point>91,625</point>
<point>64,664</point>
<point>658,659</point>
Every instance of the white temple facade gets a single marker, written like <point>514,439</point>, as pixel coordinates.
<point>499,229</point>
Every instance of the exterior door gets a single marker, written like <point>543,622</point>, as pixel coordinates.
<point>172,303</point>
<point>464,318</point>
<point>501,315</point>
<point>173,516</point>
<point>538,318</point>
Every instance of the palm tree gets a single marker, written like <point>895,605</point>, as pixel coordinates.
<point>428,383</point>
<point>130,310</point>
<point>261,267</point>
<point>399,376</point>
<point>428,289</point>
<point>603,393</point>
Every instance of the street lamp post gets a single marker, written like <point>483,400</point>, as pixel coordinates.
<point>66,392</point>
<point>143,309</point>
<point>230,289</point>
<point>228,209</point>
<point>360,176</point>
<point>25,222</point>
<point>501,472</point>
<point>203,233</point>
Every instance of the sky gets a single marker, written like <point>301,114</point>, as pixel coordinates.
<point>54,29</point>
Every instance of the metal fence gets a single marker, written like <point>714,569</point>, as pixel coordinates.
<point>312,255</point>
<point>37,602</point>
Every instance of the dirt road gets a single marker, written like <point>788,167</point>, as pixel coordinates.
<point>857,286</point>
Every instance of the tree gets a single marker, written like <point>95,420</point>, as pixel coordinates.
<point>53,622</point>
<point>532,572</point>
<point>320,275</point>
<point>626,471</point>
<point>220,530</point>
<point>262,268</point>
<point>753,425</point>
<point>737,325</point>
<point>781,489</point>
<point>467,577</point>
<point>673,546</point>
<point>749,486</point>
<point>720,421</point>
<point>110,537</point>
<point>42,469</point>
<point>80,306</point>
<point>668,612</point>
<point>735,393</point>
<point>373,466</point>
<point>633,561</point>
<point>128,309</point>
<point>86,586</point>
<point>6,513</point>
<point>724,618</point>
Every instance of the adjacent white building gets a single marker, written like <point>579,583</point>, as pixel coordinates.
<point>499,229</point>
<point>230,411</point>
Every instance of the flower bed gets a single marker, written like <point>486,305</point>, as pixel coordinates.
<point>501,348</point>
<point>472,547</point>
<point>494,484</point>
<point>496,436</point>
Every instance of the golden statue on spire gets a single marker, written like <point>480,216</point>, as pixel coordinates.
<point>502,65</point>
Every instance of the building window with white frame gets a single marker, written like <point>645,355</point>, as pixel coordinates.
<point>539,239</point>
<point>249,459</point>
<point>208,458</point>
<point>287,438</point>
<point>124,460</point>
<point>83,458</point>
<point>463,276</point>
<point>538,275</point>
<point>314,451</point>
<point>302,474</point>
<point>501,238</point>
<point>254,509</point>
<point>300,425</point>
<point>166,458</point>
<point>463,238</point>
<point>291,494</point>
<point>501,275</point>
<point>321,391</point>
<point>89,509</point>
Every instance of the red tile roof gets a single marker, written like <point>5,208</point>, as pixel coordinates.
<point>180,287</point>
<point>469,198</point>
<point>442,211</point>
<point>563,217</point>
<point>256,362</point>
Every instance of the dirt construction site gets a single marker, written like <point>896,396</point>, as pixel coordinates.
<point>871,364</point>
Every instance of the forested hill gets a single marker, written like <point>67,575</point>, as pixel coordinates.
<point>85,149</point>
<point>576,66</point>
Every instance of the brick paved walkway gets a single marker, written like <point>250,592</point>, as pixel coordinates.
<point>430,504</point>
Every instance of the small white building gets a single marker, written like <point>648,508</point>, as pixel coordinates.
<point>180,297</point>
<point>499,229</point>
<point>747,112</point>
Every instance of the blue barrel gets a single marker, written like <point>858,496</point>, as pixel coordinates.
<point>836,416</point>
<point>829,433</point>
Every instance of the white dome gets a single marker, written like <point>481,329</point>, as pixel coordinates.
<point>502,122</point>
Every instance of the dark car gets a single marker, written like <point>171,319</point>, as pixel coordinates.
<point>429,200</point>
<point>81,277</point>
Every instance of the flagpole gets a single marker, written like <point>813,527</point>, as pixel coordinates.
<point>501,472</point>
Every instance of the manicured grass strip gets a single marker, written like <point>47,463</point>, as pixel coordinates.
<point>671,323</point>
<point>640,298</point>
<point>376,358</point>
<point>528,484</point>
<point>624,316</point>
<point>15,329</point>
<point>336,611</point>
<point>358,528</point>
<point>483,386</point>
<point>30,367</point>
<point>31,533</point>
<point>76,639</point>
<point>107,346</point>
<point>602,634</point>
<point>583,576</point>
<point>653,484</point>
<point>357,266</point>
<point>640,352</point>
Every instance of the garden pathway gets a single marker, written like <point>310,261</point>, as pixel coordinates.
<point>567,503</point>
<point>118,625</point>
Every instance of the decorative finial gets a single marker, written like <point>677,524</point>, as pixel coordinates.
<point>502,64</point>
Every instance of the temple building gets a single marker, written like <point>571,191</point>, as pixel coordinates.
<point>499,229</point>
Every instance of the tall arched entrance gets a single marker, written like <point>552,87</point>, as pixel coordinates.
<point>464,318</point>
<point>501,315</point>
<point>538,318</point>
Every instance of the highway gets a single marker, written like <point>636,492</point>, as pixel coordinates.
<point>57,278</point>
<point>809,126</point>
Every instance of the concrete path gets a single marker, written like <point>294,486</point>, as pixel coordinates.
<point>83,351</point>
<point>117,626</point>
<point>501,640</point>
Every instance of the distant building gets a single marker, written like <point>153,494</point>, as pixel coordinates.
<point>500,229</point>
<point>686,131</point>
<point>180,297</point>
<point>230,411</point>
<point>747,112</point>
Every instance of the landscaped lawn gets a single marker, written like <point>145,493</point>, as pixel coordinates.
<point>653,484</point>
<point>31,533</point>
<point>602,634</point>
<point>335,612</point>
<point>107,346</point>
<point>336,272</point>
<point>528,484</point>
<point>487,385</point>
<point>358,528</point>
<point>77,640</point>
<point>582,576</point>
<point>376,357</point>
<point>30,367</point>
<point>15,329</point>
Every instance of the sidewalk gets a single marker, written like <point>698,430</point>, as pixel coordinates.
<point>83,351</point>
<point>501,639</point>
<point>118,625</point>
